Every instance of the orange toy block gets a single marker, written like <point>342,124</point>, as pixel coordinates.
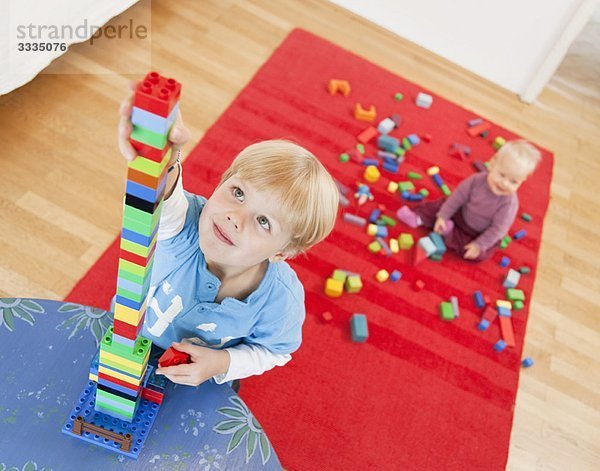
<point>337,85</point>
<point>506,329</point>
<point>478,129</point>
<point>364,115</point>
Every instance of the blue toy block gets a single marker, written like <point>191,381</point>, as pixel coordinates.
<point>388,143</point>
<point>512,279</point>
<point>359,328</point>
<point>382,231</point>
<point>500,345</point>
<point>374,216</point>
<point>138,429</point>
<point>133,286</point>
<point>479,301</point>
<point>427,245</point>
<point>520,234</point>
<point>395,276</point>
<point>415,197</point>
<point>129,302</point>
<point>413,139</point>
<point>483,324</point>
<point>527,362</point>
<point>503,311</point>
<point>390,167</point>
<point>437,179</point>
<point>367,162</point>
<point>144,192</point>
<point>505,262</point>
<point>384,246</point>
<point>440,247</point>
<point>141,239</point>
<point>153,122</point>
<point>123,340</point>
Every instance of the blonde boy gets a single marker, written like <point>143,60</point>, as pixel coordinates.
<point>221,290</point>
<point>483,207</point>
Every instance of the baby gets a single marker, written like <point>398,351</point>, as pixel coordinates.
<point>221,290</point>
<point>483,207</point>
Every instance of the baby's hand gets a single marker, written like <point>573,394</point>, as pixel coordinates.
<point>472,251</point>
<point>439,226</point>
<point>178,135</point>
<point>206,363</point>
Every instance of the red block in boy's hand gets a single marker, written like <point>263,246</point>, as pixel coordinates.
<point>173,357</point>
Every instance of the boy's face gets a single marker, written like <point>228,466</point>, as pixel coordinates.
<point>505,176</point>
<point>241,226</point>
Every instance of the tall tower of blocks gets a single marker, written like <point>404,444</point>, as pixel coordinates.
<point>124,352</point>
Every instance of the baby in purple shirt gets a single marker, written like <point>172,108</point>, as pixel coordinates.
<point>483,207</point>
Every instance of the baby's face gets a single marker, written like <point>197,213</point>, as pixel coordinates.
<point>240,225</point>
<point>505,176</point>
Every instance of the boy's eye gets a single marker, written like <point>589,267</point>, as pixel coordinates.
<point>238,193</point>
<point>264,222</point>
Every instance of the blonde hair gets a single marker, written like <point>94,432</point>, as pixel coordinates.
<point>521,152</point>
<point>308,194</point>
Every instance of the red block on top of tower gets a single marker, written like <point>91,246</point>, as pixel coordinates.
<point>157,94</point>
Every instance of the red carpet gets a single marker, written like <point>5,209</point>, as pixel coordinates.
<point>421,393</point>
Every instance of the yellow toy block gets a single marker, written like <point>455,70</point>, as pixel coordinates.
<point>371,174</point>
<point>392,187</point>
<point>433,170</point>
<point>334,288</point>
<point>129,315</point>
<point>372,229</point>
<point>382,275</point>
<point>406,241</point>
<point>394,247</point>
<point>503,303</point>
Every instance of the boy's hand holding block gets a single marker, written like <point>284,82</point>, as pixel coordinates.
<point>173,357</point>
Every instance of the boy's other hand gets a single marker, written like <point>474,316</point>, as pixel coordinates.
<point>206,363</point>
<point>472,251</point>
<point>439,226</point>
<point>178,136</point>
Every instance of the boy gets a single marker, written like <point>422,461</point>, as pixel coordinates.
<point>483,207</point>
<point>220,289</point>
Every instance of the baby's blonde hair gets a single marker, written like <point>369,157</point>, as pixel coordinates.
<point>309,197</point>
<point>522,152</point>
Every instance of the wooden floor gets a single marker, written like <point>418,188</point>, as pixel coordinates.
<point>62,179</point>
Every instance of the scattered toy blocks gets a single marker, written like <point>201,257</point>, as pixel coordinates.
<point>334,288</point>
<point>446,312</point>
<point>406,241</point>
<point>353,284</point>
<point>424,100</point>
<point>382,275</point>
<point>396,275</point>
<point>527,362</point>
<point>512,279</point>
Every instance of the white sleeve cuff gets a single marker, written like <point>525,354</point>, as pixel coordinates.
<point>172,217</point>
<point>248,360</point>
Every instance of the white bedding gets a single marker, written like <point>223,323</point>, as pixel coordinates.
<point>22,21</point>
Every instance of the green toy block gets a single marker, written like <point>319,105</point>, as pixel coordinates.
<point>526,217</point>
<point>424,192</point>
<point>414,175</point>
<point>524,270</point>
<point>139,227</point>
<point>353,284</point>
<point>406,241</point>
<point>388,221</point>
<point>150,138</point>
<point>360,148</point>
<point>136,269</point>
<point>149,167</point>
<point>126,404</point>
<point>374,246</point>
<point>344,157</point>
<point>505,241</point>
<point>513,294</point>
<point>138,298</point>
<point>405,186</point>
<point>138,354</point>
<point>484,134</point>
<point>400,151</point>
<point>339,275</point>
<point>135,278</point>
<point>137,249</point>
<point>445,190</point>
<point>518,305</point>
<point>359,328</point>
<point>148,219</point>
<point>446,311</point>
<point>436,257</point>
<point>406,144</point>
<point>398,96</point>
